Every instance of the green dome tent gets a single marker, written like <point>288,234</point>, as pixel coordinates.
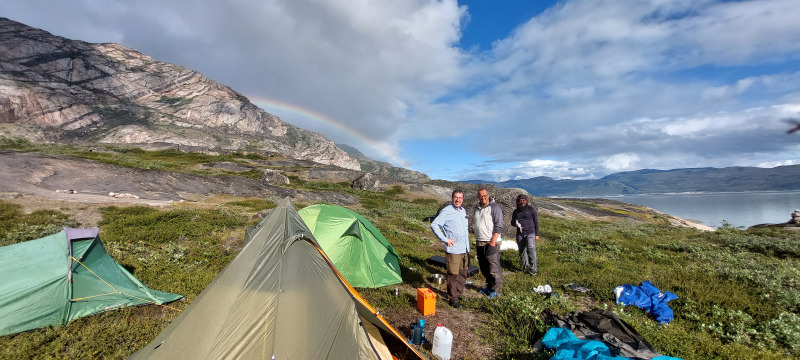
<point>62,277</point>
<point>355,246</point>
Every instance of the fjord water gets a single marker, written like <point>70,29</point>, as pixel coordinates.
<point>739,209</point>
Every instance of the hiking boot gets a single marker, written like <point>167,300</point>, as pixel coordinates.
<point>455,304</point>
<point>494,294</point>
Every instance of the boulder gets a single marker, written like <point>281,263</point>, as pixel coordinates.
<point>367,182</point>
<point>507,199</point>
<point>273,177</point>
<point>429,191</point>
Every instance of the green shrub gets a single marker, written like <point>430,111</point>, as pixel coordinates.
<point>16,143</point>
<point>738,290</point>
<point>394,191</point>
<point>178,251</point>
<point>18,227</point>
<point>253,204</point>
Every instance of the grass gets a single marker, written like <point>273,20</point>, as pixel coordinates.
<point>166,160</point>
<point>738,289</point>
<point>16,226</point>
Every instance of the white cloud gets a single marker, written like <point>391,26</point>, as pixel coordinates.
<point>597,84</point>
<point>602,78</point>
<point>772,164</point>
<point>769,84</point>
<point>621,162</point>
<point>740,32</point>
<point>539,167</point>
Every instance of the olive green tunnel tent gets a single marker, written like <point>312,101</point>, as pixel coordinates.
<point>62,277</point>
<point>356,247</point>
<point>279,298</point>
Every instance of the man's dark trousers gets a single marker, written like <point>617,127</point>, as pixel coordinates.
<point>489,263</point>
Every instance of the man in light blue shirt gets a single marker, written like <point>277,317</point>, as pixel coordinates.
<point>451,227</point>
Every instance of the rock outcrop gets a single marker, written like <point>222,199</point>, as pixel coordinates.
<point>383,168</point>
<point>273,177</point>
<point>54,89</point>
<point>367,182</point>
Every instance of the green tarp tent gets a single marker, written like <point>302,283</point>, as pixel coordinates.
<point>280,298</point>
<point>59,278</point>
<point>356,247</point>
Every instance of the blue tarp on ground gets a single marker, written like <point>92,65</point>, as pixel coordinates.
<point>568,346</point>
<point>649,298</point>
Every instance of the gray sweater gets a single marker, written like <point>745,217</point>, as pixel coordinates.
<point>487,220</point>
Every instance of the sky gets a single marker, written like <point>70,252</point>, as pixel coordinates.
<point>491,90</point>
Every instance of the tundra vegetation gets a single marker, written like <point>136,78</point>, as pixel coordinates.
<point>739,290</point>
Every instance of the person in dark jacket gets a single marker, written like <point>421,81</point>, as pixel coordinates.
<point>526,220</point>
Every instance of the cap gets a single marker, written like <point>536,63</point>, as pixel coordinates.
<point>522,196</point>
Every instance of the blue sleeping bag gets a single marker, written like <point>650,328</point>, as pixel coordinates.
<point>568,346</point>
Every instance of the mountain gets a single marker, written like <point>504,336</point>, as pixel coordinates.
<point>648,181</point>
<point>384,168</point>
<point>54,89</point>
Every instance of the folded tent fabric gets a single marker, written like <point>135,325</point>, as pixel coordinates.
<point>568,346</point>
<point>605,326</point>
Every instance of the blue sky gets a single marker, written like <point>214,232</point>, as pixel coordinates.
<point>491,90</point>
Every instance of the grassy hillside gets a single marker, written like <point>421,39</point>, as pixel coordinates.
<point>738,290</point>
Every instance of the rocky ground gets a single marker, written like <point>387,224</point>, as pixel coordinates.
<point>37,181</point>
<point>80,187</point>
<point>43,181</point>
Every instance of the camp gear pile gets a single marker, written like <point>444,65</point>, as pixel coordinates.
<point>595,331</point>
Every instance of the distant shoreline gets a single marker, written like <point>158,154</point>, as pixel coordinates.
<point>673,194</point>
<point>732,208</point>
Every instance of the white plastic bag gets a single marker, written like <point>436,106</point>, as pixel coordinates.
<point>509,245</point>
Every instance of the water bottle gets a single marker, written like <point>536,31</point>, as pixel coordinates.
<point>418,335</point>
<point>422,325</point>
<point>442,342</point>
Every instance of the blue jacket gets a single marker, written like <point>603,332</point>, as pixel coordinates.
<point>452,223</point>
<point>649,298</point>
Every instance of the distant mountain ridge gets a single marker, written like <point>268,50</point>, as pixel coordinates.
<point>649,181</point>
<point>384,168</point>
<point>54,89</point>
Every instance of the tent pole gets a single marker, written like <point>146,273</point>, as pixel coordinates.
<point>69,282</point>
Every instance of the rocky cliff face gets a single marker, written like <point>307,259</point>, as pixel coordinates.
<point>383,168</point>
<point>56,89</point>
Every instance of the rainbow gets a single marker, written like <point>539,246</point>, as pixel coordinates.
<point>280,106</point>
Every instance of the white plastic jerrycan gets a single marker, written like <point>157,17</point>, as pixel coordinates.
<point>442,342</point>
